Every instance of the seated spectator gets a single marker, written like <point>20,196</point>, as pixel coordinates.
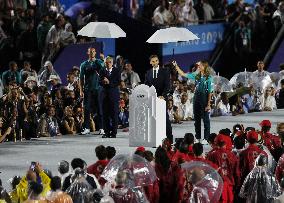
<point>237,107</point>
<point>268,101</point>
<point>55,84</point>
<point>68,122</point>
<point>249,101</point>
<point>67,36</point>
<point>11,75</point>
<point>173,112</point>
<point>177,93</point>
<point>130,77</point>
<point>44,75</point>
<point>98,167</point>
<point>123,115</point>
<point>4,132</point>
<point>185,108</point>
<point>34,193</point>
<point>223,107</point>
<point>48,125</point>
<point>280,96</point>
<point>73,83</point>
<point>110,152</point>
<point>78,118</point>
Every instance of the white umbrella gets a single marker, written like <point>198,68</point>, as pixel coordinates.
<point>102,30</point>
<point>172,34</point>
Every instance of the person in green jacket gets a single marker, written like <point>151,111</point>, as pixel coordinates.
<point>202,97</point>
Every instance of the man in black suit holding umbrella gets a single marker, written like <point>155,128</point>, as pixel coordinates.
<point>110,79</point>
<point>159,77</point>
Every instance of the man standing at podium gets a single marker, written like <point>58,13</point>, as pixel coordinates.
<point>159,77</point>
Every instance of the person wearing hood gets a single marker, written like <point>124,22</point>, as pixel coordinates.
<point>278,17</point>
<point>67,36</point>
<point>46,72</point>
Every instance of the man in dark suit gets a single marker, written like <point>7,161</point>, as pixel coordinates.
<point>159,77</point>
<point>110,79</point>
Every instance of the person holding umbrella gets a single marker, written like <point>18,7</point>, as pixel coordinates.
<point>202,97</point>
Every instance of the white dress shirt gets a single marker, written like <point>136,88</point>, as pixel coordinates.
<point>157,70</point>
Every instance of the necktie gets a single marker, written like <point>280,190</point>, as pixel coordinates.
<point>155,73</point>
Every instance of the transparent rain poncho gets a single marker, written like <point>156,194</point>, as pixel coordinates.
<point>260,186</point>
<point>222,84</point>
<point>261,82</point>
<point>207,184</point>
<point>241,79</point>
<point>80,190</point>
<point>275,77</point>
<point>126,175</point>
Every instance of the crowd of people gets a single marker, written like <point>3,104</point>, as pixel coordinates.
<point>249,161</point>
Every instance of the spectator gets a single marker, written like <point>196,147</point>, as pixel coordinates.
<point>11,75</point>
<point>223,107</point>
<point>4,132</point>
<point>260,72</point>
<point>278,17</point>
<point>185,108</point>
<point>189,14</point>
<point>130,77</point>
<point>242,43</point>
<point>177,11</point>
<point>208,11</point>
<point>280,199</point>
<point>45,74</point>
<point>56,193</point>
<point>237,106</point>
<point>52,41</point>
<point>268,101</point>
<point>110,152</point>
<point>79,21</point>
<point>27,71</point>
<point>173,112</point>
<point>48,125</point>
<point>79,118</point>
<point>68,123</point>
<point>249,101</point>
<point>28,43</point>
<point>67,36</point>
<point>280,96</point>
<point>97,168</point>
<point>42,30</point>
<point>162,16</point>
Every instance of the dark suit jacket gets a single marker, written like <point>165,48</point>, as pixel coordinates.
<point>114,78</point>
<point>161,83</point>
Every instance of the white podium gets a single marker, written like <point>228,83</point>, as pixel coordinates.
<point>147,117</point>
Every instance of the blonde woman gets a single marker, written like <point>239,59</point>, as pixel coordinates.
<point>202,97</point>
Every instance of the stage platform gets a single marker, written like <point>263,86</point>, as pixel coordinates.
<point>15,158</point>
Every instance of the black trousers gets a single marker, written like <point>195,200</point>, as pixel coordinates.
<point>111,110</point>
<point>199,104</point>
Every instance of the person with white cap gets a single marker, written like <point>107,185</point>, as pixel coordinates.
<point>55,85</point>
<point>46,73</point>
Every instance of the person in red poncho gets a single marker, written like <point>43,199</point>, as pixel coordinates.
<point>228,168</point>
<point>166,144</point>
<point>182,154</point>
<point>198,155</point>
<point>189,139</point>
<point>248,156</point>
<point>98,167</point>
<point>170,175</point>
<point>269,140</point>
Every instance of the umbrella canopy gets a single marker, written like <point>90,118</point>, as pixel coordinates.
<point>206,181</point>
<point>222,84</point>
<point>261,82</point>
<point>243,78</point>
<point>172,34</point>
<point>102,30</point>
<point>139,171</point>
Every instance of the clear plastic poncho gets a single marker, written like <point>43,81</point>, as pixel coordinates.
<point>242,78</point>
<point>222,84</point>
<point>206,181</point>
<point>80,190</point>
<point>260,186</point>
<point>261,82</point>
